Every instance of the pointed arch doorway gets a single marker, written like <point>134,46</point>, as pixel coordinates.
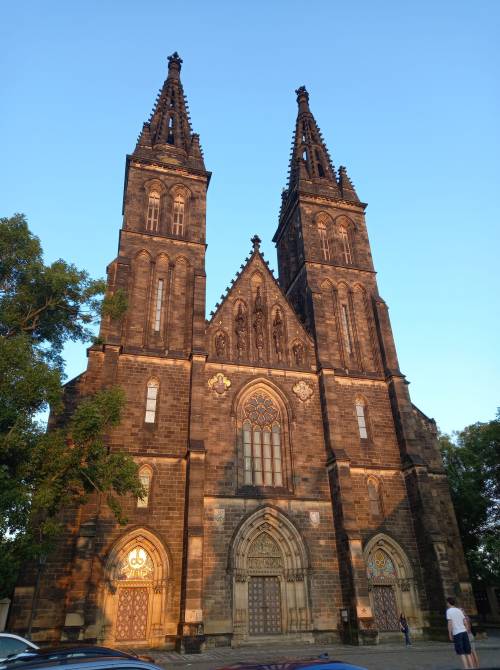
<point>269,567</point>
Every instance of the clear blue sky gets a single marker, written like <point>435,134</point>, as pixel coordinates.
<point>407,97</point>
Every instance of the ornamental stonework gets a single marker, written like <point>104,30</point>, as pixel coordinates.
<point>303,391</point>
<point>219,383</point>
<point>260,409</point>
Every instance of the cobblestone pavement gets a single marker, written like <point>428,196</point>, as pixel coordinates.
<point>421,656</point>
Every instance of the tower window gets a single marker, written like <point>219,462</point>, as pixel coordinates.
<point>361,417</point>
<point>323,238</point>
<point>145,477</point>
<point>346,246</point>
<point>151,400</point>
<point>261,443</point>
<point>153,211</point>
<point>346,328</point>
<point>321,172</point>
<point>178,224</point>
<point>158,304</point>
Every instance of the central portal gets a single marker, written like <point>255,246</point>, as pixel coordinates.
<point>264,606</point>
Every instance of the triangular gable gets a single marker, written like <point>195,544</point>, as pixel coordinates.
<point>255,324</point>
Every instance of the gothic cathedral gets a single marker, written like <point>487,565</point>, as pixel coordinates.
<point>293,489</point>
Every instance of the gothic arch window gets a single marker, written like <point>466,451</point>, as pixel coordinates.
<point>178,217</point>
<point>146,478</point>
<point>374,497</point>
<point>347,328</point>
<point>345,245</point>
<point>153,214</point>
<point>151,401</point>
<point>260,441</point>
<point>362,418</point>
<point>323,238</point>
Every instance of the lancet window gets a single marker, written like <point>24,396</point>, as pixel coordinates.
<point>374,498</point>
<point>158,305</point>
<point>153,216</point>
<point>178,221</point>
<point>323,238</point>
<point>362,419</point>
<point>151,401</point>
<point>345,245</point>
<point>261,442</point>
<point>346,328</point>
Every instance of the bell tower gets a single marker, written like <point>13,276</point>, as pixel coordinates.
<point>370,424</point>
<point>161,256</point>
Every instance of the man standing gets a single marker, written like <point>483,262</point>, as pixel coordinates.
<point>458,632</point>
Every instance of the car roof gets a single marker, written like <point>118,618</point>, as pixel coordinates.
<point>97,662</point>
<point>297,664</point>
<point>88,649</point>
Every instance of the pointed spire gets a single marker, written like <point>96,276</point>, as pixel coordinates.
<point>168,130</point>
<point>310,159</point>
<point>347,189</point>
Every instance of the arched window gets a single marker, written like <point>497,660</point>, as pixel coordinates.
<point>178,223</point>
<point>145,477</point>
<point>153,217</point>
<point>323,238</point>
<point>346,328</point>
<point>151,401</point>
<point>346,245</point>
<point>158,305</point>
<point>362,419</point>
<point>261,442</point>
<point>374,497</point>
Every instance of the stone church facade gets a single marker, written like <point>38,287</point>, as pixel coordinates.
<point>293,489</point>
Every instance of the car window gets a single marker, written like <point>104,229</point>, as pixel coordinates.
<point>9,645</point>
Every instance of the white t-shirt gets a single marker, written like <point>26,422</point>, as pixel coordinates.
<point>456,617</point>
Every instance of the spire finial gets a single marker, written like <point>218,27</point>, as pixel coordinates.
<point>302,99</point>
<point>256,242</point>
<point>174,65</point>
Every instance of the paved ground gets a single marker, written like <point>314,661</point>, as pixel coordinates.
<point>421,656</point>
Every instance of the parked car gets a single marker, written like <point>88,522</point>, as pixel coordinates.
<point>11,644</point>
<point>315,664</point>
<point>37,656</point>
<point>97,662</point>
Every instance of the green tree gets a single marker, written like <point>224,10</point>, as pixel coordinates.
<point>472,460</point>
<point>42,307</point>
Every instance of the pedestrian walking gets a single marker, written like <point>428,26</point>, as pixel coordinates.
<point>405,629</point>
<point>472,640</point>
<point>457,632</point>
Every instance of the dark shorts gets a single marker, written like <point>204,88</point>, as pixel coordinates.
<point>462,644</point>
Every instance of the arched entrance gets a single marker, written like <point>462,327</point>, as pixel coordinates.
<point>136,587</point>
<point>269,566</point>
<point>391,584</point>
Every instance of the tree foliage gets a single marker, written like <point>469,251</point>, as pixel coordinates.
<point>42,307</point>
<point>472,461</point>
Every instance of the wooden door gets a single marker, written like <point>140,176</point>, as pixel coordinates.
<point>264,606</point>
<point>385,608</point>
<point>132,614</point>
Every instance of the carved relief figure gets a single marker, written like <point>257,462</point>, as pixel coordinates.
<point>298,353</point>
<point>220,344</point>
<point>278,333</point>
<point>241,331</point>
<point>258,324</point>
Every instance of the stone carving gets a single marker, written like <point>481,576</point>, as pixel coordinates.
<point>314,518</point>
<point>219,383</point>
<point>278,333</point>
<point>264,553</point>
<point>298,353</point>
<point>303,391</point>
<point>260,410</point>
<point>219,516</point>
<point>241,331</point>
<point>221,344</point>
<point>258,324</point>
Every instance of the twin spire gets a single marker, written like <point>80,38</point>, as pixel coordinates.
<point>310,161</point>
<point>168,137</point>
